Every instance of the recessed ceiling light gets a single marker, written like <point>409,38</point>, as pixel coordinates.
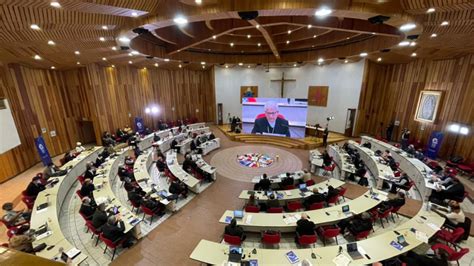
<point>198,2</point>
<point>322,12</point>
<point>431,10</point>
<point>78,63</point>
<point>314,36</point>
<point>379,59</point>
<point>214,37</point>
<point>156,64</point>
<point>102,39</point>
<point>130,54</point>
<point>203,63</point>
<point>309,26</point>
<point>348,38</point>
<point>104,59</point>
<point>135,52</point>
<point>320,60</point>
<point>287,42</point>
<point>289,31</point>
<point>104,27</point>
<point>226,66</point>
<point>53,67</point>
<point>144,68</point>
<point>167,59</point>
<point>445,23</point>
<point>113,65</point>
<point>37,57</point>
<point>373,33</point>
<point>231,44</point>
<point>248,66</point>
<point>434,35</point>
<point>180,66</point>
<point>364,54</point>
<point>130,62</point>
<point>413,54</point>
<point>34,27</point>
<point>77,52</point>
<point>50,42</point>
<point>412,43</point>
<point>404,43</point>
<point>180,20</point>
<point>114,48</point>
<point>203,67</point>
<point>124,39</point>
<point>346,61</point>
<point>134,14</point>
<point>248,36</point>
<point>407,27</point>
<point>294,65</point>
<point>241,64</point>
<point>319,64</point>
<point>55,4</point>
<point>257,26</point>
<point>259,44</point>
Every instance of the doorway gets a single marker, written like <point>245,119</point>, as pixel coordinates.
<point>350,117</point>
<point>86,132</point>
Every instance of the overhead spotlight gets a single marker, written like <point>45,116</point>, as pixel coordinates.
<point>320,60</point>
<point>156,65</point>
<point>431,10</point>
<point>180,20</point>
<point>248,36</point>
<point>167,59</point>
<point>214,37</point>
<point>144,68</point>
<point>113,66</point>
<point>231,44</point>
<point>155,110</point>
<point>55,4</point>
<point>53,67</point>
<point>104,59</point>
<point>134,14</point>
<point>203,67</point>
<point>314,36</point>
<point>379,59</point>
<point>259,44</point>
<point>434,35</point>
<point>309,26</point>
<point>241,64</point>
<point>287,42</point>
<point>102,39</point>
<point>114,48</point>
<point>407,26</point>
<point>373,33</point>
<point>203,63</point>
<point>346,61</point>
<point>404,43</point>
<point>226,66</point>
<point>257,26</point>
<point>180,66</point>
<point>78,63</point>
<point>248,15</point>
<point>198,2</point>
<point>323,12</point>
<point>378,19</point>
<point>364,54</point>
<point>37,57</point>
<point>104,27</point>
<point>445,23</point>
<point>130,62</point>
<point>34,27</point>
<point>147,110</point>
<point>77,52</point>
<point>412,43</point>
<point>124,39</point>
<point>50,42</point>
<point>294,65</point>
<point>413,54</point>
<point>289,31</point>
<point>135,53</point>
<point>329,118</point>
<point>130,54</point>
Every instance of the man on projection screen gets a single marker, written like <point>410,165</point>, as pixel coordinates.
<point>272,122</point>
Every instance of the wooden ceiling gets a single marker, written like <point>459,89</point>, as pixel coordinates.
<point>78,25</point>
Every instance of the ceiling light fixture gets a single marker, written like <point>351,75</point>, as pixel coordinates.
<point>320,60</point>
<point>180,20</point>
<point>114,48</point>
<point>294,65</point>
<point>203,67</point>
<point>346,61</point>
<point>130,54</point>
<point>135,53</point>
<point>124,39</point>
<point>113,66</point>
<point>55,4</point>
<point>413,54</point>
<point>379,59</point>
<point>226,66</point>
<point>214,37</point>
<point>259,44</point>
<point>34,27</point>
<point>431,10</point>
<point>404,43</point>
<point>314,36</point>
<point>104,59</point>
<point>102,39</point>
<point>309,26</point>
<point>323,12</point>
<point>167,59</point>
<point>231,44</point>
<point>407,27</point>
<point>434,35</point>
<point>364,54</point>
<point>241,64</point>
<point>289,31</point>
<point>257,26</point>
<point>134,14</point>
<point>78,63</point>
<point>287,42</point>
<point>198,2</point>
<point>53,67</point>
<point>203,63</point>
<point>445,23</point>
<point>412,43</point>
<point>104,27</point>
<point>130,62</point>
<point>37,57</point>
<point>50,42</point>
<point>77,52</point>
<point>156,64</point>
<point>180,66</point>
<point>248,36</point>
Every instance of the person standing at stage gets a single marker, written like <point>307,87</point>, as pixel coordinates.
<point>325,136</point>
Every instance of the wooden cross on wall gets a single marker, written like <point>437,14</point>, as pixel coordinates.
<point>282,80</point>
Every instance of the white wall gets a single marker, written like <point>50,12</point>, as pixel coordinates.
<point>344,81</point>
<point>9,137</point>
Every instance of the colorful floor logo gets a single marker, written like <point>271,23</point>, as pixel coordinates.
<point>255,160</point>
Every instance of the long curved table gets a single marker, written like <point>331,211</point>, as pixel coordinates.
<point>377,248</point>
<point>55,196</point>
<point>177,170</point>
<point>340,158</point>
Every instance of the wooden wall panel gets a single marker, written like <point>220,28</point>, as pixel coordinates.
<point>390,92</point>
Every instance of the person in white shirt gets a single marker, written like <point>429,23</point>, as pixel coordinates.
<point>79,147</point>
<point>453,214</point>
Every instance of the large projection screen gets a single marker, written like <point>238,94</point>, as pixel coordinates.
<point>9,138</point>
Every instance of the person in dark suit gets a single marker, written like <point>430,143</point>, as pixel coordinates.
<point>135,196</point>
<point>178,188</point>
<point>325,136</point>
<point>160,164</point>
<point>454,192</point>
<point>316,197</point>
<point>35,187</point>
<point>234,230</point>
<point>188,164</point>
<point>264,183</point>
<point>271,123</point>
<point>401,183</point>
<point>440,258</point>
<point>305,226</point>
<point>114,230</point>
<point>360,224</point>
<point>99,218</point>
<point>87,209</point>
<point>157,207</point>
<point>87,188</point>
<point>332,192</point>
<point>90,171</point>
<point>287,181</point>
<point>327,160</point>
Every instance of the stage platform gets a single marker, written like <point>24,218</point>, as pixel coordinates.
<point>307,143</point>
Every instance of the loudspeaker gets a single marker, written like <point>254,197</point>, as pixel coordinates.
<point>149,57</point>
<point>124,48</point>
<point>385,50</point>
<point>378,19</point>
<point>248,15</point>
<point>140,31</point>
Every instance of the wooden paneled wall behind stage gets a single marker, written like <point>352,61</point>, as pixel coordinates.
<point>58,100</point>
<point>390,92</point>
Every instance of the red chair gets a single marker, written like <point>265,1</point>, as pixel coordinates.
<point>467,168</point>
<point>360,235</point>
<point>329,232</point>
<point>252,208</point>
<point>275,210</point>
<point>433,164</point>
<point>304,240</point>
<point>316,205</point>
<point>147,211</point>
<point>453,164</point>
<point>270,237</point>
<point>453,254</point>
<point>24,195</point>
<point>11,232</point>
<point>28,202</point>
<point>78,192</point>
<point>342,192</point>
<point>135,206</point>
<point>94,231</point>
<point>81,179</point>
<point>288,187</point>
<point>233,240</point>
<point>395,210</point>
<point>333,200</point>
<point>450,236</point>
<point>310,182</point>
<point>294,206</point>
<point>385,215</point>
<point>408,187</point>
<point>110,244</point>
<point>328,170</point>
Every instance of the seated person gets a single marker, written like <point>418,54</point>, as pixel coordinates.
<point>453,192</point>
<point>12,217</point>
<point>272,202</point>
<point>332,192</point>
<point>326,158</point>
<point>264,183</point>
<point>129,161</point>
<point>316,197</point>
<point>271,123</point>
<point>123,173</point>
<point>397,201</point>
<point>367,145</point>
<point>136,151</point>
<point>386,154</point>
<point>412,258</point>
<point>147,131</point>
<point>131,185</point>
<point>454,214</point>
<point>356,224</point>
<point>234,230</point>
<point>446,179</point>
<point>114,230</point>
<point>402,182</point>
<point>79,148</point>
<point>52,171</point>
<point>99,218</point>
<point>23,243</point>
<point>173,145</point>
<point>87,188</point>
<point>35,187</point>
<point>178,188</point>
<point>90,171</point>
<point>107,139</point>
<point>136,196</point>
<point>122,135</point>
<point>157,207</point>
<point>128,130</point>
<point>87,208</point>
<point>306,175</point>
<point>361,172</point>
<point>188,164</point>
<point>392,164</point>
<point>287,181</point>
<point>411,149</point>
<point>161,164</point>
<point>212,136</point>
<point>100,159</point>
<point>156,137</point>
<point>305,226</point>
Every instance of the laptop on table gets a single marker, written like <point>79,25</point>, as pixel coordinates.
<point>303,187</point>
<point>353,251</point>
<point>238,214</point>
<point>235,254</point>
<point>401,240</point>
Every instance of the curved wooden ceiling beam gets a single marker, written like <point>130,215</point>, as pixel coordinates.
<point>267,37</point>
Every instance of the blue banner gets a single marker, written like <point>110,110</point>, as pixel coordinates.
<point>42,151</point>
<point>434,144</point>
<point>139,126</point>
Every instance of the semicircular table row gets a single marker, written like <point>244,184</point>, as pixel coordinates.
<point>376,248</point>
<point>47,207</point>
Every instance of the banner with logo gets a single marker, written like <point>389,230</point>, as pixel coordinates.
<point>42,151</point>
<point>434,144</point>
<point>139,126</point>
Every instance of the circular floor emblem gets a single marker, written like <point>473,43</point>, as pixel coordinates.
<point>255,160</point>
